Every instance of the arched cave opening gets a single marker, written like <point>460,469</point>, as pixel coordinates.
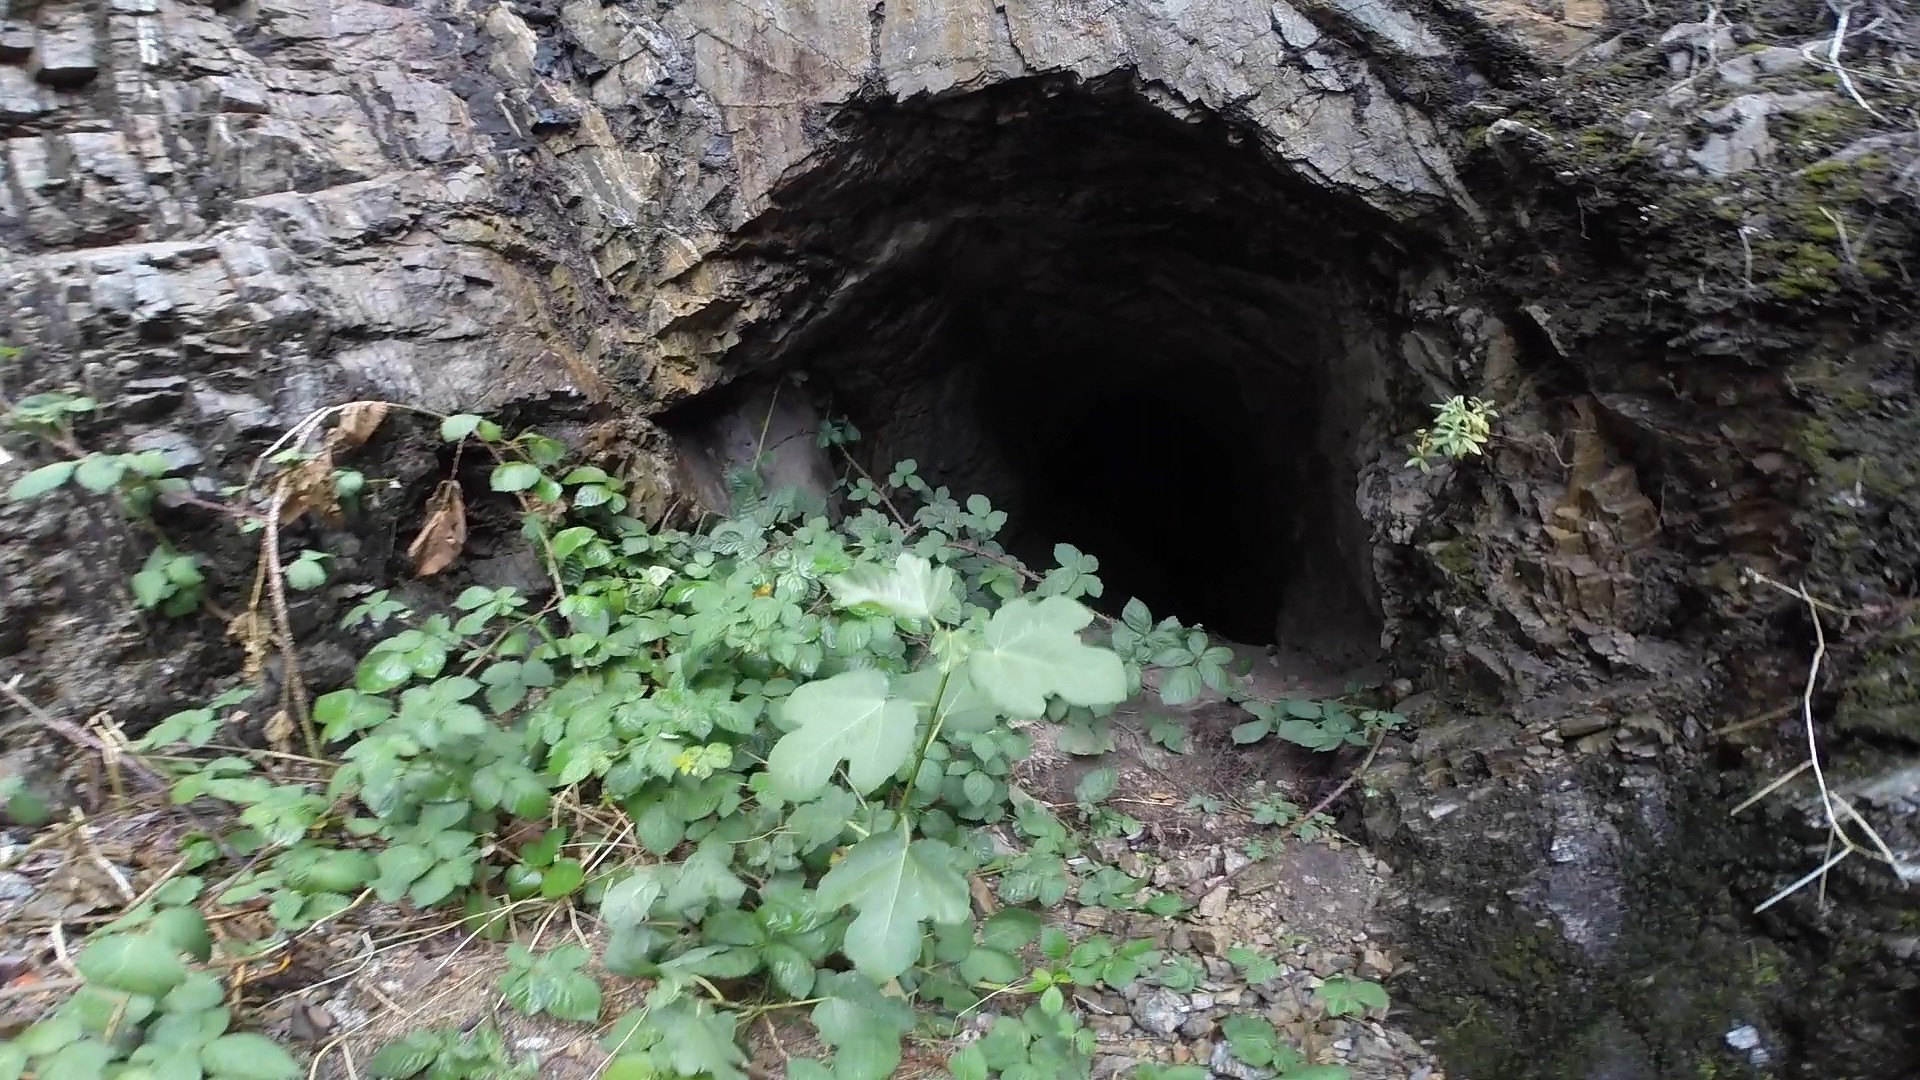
<point>1127,325</point>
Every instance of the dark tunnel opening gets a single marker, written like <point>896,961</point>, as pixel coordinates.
<point>1138,334</point>
<point>1161,483</point>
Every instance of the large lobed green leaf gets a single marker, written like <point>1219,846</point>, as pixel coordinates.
<point>1031,651</point>
<point>895,886</point>
<point>913,589</point>
<point>849,718</point>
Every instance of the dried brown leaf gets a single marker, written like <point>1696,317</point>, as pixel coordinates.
<point>279,731</point>
<point>250,629</point>
<point>308,486</point>
<point>358,422</point>
<point>444,534</point>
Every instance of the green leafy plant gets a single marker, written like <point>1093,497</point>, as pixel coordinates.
<point>1342,995</point>
<point>1286,814</point>
<point>767,754</point>
<point>1171,1072</point>
<point>1095,961</point>
<point>1180,973</point>
<point>1255,1041</point>
<point>1316,725</point>
<point>1462,427</point>
<point>21,805</point>
<point>1254,966</point>
<point>551,983</point>
<point>47,414</point>
<point>170,582</point>
<point>147,1003</point>
<point>448,1054</point>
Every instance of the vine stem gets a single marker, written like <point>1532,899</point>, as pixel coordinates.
<point>77,735</point>
<point>909,526</point>
<point>933,732</point>
<point>1320,807</point>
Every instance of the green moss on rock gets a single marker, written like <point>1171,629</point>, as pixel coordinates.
<point>1882,694</point>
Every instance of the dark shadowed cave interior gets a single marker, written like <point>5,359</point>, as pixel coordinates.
<point>1134,331</point>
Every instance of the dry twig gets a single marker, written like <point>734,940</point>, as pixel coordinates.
<point>1834,806</point>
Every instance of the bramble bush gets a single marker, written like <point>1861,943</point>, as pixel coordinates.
<point>762,753</point>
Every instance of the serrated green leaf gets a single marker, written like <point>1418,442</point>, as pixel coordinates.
<point>978,788</point>
<point>1180,686</point>
<point>862,1025</point>
<point>185,929</point>
<point>382,671</point>
<point>705,878</point>
<point>440,882</point>
<point>150,587</point>
<point>1097,785</point>
<point>1086,738</point>
<point>400,866</point>
<point>345,712</point>
<point>895,886</point>
<point>991,966</point>
<point>49,1035</point>
<point>198,992</point>
<point>562,878</point>
<point>406,1058</point>
<point>822,821</point>
<point>849,718</point>
<point>1031,650</point>
<point>41,480</point>
<point>697,1040</point>
<point>630,901</point>
<point>99,473</point>
<point>715,962</point>
<point>574,996</point>
<point>245,1056</point>
<point>458,426</point>
<point>1344,996</point>
<point>1252,731</point>
<point>1168,732</point>
<point>792,972</point>
<point>631,1067</point>
<point>1010,929</point>
<point>133,963</point>
<point>84,1060</point>
<point>968,1064</point>
<point>1254,966</point>
<point>514,476</point>
<point>305,574</point>
<point>1252,1039</point>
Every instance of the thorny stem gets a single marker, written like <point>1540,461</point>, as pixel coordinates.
<point>909,526</point>
<point>760,1010</point>
<point>294,686</point>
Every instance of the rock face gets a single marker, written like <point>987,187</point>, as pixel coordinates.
<point>1154,276</point>
<point>462,206</point>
